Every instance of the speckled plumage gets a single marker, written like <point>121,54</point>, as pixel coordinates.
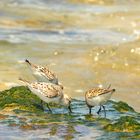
<point>96,92</point>
<point>47,89</point>
<point>98,97</point>
<point>49,92</point>
<point>43,74</point>
<point>46,72</point>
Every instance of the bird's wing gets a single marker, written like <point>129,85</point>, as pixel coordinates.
<point>47,89</point>
<point>96,92</point>
<point>50,75</point>
<point>52,91</point>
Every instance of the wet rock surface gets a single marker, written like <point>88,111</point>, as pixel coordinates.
<point>21,110</point>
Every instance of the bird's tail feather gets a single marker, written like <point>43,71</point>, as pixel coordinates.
<point>23,80</point>
<point>27,61</point>
<point>31,64</point>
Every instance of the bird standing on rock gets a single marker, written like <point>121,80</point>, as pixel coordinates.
<point>49,92</point>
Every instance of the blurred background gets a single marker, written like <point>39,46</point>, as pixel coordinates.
<point>88,43</point>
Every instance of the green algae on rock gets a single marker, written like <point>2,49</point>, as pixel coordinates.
<point>124,124</point>
<point>20,108</point>
<point>20,99</point>
<point>123,107</point>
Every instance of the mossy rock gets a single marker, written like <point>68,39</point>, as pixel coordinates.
<point>123,107</point>
<point>124,124</point>
<point>20,98</point>
<point>24,112</point>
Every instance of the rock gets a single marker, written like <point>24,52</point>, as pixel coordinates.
<point>19,99</point>
<point>123,107</point>
<point>20,108</point>
<point>124,124</point>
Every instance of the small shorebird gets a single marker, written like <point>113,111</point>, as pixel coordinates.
<point>98,97</point>
<point>49,92</point>
<point>43,74</point>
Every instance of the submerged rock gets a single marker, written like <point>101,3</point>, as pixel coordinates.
<point>20,108</point>
<point>124,124</point>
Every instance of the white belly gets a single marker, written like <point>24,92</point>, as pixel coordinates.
<point>99,100</point>
<point>41,78</point>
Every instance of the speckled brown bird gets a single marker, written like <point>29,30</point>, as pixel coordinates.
<point>49,92</point>
<point>98,97</point>
<point>43,74</point>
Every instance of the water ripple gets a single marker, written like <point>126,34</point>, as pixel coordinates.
<point>97,36</point>
<point>65,5</point>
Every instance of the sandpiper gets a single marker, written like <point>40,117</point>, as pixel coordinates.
<point>49,92</point>
<point>43,74</point>
<point>98,97</point>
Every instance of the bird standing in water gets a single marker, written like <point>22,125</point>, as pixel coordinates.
<point>98,97</point>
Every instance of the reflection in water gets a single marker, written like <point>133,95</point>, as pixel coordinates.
<point>53,130</point>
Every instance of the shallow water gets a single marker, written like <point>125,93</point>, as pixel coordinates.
<point>87,45</point>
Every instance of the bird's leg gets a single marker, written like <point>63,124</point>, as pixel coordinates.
<point>99,110</point>
<point>69,107</point>
<point>42,105</point>
<point>90,109</point>
<point>49,107</point>
<point>104,110</point>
